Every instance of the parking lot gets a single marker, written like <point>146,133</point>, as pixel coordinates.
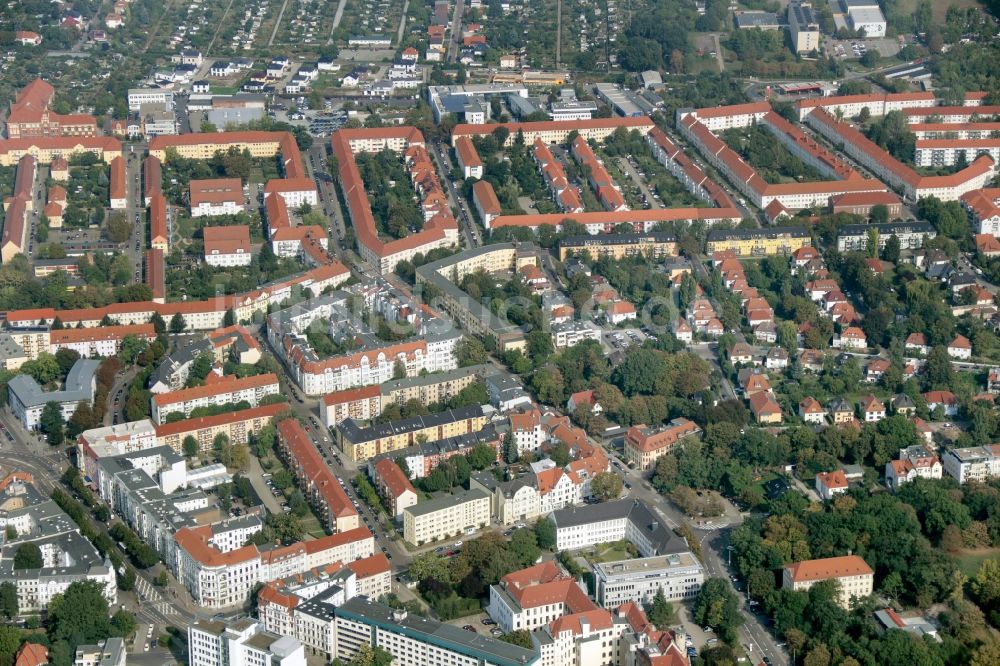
<point>856,48</point>
<point>621,339</point>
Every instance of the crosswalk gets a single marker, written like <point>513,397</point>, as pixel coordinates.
<point>150,596</point>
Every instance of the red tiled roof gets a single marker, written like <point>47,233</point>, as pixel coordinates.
<point>227,240</point>
<point>307,458</point>
<point>117,184</point>
<point>830,567</point>
<point>390,474</point>
<point>215,191</point>
<point>66,336</point>
<point>553,125</point>
<point>230,384</point>
<point>467,154</point>
<point>207,422</point>
<point>32,654</point>
<point>370,566</point>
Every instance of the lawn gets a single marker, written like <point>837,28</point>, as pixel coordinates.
<point>970,560</point>
<point>609,552</point>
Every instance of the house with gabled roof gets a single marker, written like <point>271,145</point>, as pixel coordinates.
<point>811,411</point>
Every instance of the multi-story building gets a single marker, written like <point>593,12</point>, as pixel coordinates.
<point>216,196</point>
<point>915,461</point>
<point>803,27</point>
<point>973,463</point>
<point>472,315</point>
<point>394,487</point>
<point>67,557</point>
<point>853,574</point>
<point>653,245</point>
<point>368,402</point>
<point>446,516</point>
<point>645,445</point>
<point>236,426</point>
<point>95,342</point>
<point>315,478</point>
<point>679,575</point>
<point>360,443</point>
<point>417,641</point>
<point>139,96</point>
<point>108,652</point>
<point>302,606</point>
<point>227,246</point>
<point>911,235</point>
<point>758,242</point>
<point>568,333</point>
<point>422,459</point>
<point>580,527</point>
<point>27,399</point>
<point>534,597</point>
<point>220,391</point>
<point>241,642</point>
<point>30,115</point>
<point>468,158</point>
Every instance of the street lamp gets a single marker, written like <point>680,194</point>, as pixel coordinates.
<point>729,555</point>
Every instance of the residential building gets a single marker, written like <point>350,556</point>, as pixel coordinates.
<point>67,557</point>
<point>811,411</point>
<point>237,426</point>
<point>872,409</point>
<point>446,516</point>
<point>569,333</point>
<point>913,462</point>
<point>30,116</point>
<point>220,391</point>
<point>679,575</point>
<point>227,246</point>
<point>394,486</point>
<point>360,443</point>
<point>758,242</point>
<point>645,445</point>
<point>108,652</point>
<point>241,642</point>
<point>653,245</point>
<point>946,400</point>
<point>417,641</point>
<point>317,482</point>
<point>853,574</point>
<point>765,409</point>
<point>960,348</point>
<point>99,342</point>
<point>803,26</point>
<point>27,400</point>
<point>973,463</point>
<point>534,597</point>
<point>830,484</point>
<point>216,196</point>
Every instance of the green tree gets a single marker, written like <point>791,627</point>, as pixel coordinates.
<point>122,623</point>
<point>66,358</point>
<point>545,533</point>
<point>661,613</point>
<point>229,318</point>
<point>521,638</point>
<point>162,579</point>
<point>28,556</point>
<point>718,607</point>
<point>8,600</point>
<point>190,446</point>
<point>606,486</point>
<point>481,456</point>
<point>83,418</point>
<point>470,351</point>
<point>10,641</point>
<point>372,656</point>
<point>51,423</point>
<point>429,565</point>
<point>177,323</point>
<point>132,346</point>
<point>80,614</point>
<point>524,546</point>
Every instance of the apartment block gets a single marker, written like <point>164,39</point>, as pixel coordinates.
<point>218,391</point>
<point>855,577</point>
<point>361,443</point>
<point>974,463</point>
<point>446,516</point>
<point>645,445</point>
<point>241,642</point>
<point>679,575</point>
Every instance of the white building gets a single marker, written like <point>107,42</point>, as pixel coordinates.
<point>866,15</point>
<point>534,597</point>
<point>242,642</point>
<point>569,333</point>
<point>975,463</point>
<point>853,574</point>
<point>225,391</point>
<point>679,575</point>
<point>139,96</point>
<point>27,400</point>
<point>446,516</point>
<point>109,652</point>
<point>914,462</point>
<point>581,527</point>
<point>216,196</point>
<point>418,641</point>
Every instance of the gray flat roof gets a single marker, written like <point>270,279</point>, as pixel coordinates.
<point>78,386</point>
<point>485,649</point>
<point>445,501</point>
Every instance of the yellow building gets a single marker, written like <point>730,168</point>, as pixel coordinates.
<point>471,315</point>
<point>446,516</point>
<point>46,148</point>
<point>237,426</point>
<point>361,443</point>
<point>758,242</point>
<point>850,571</point>
<point>618,246</point>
